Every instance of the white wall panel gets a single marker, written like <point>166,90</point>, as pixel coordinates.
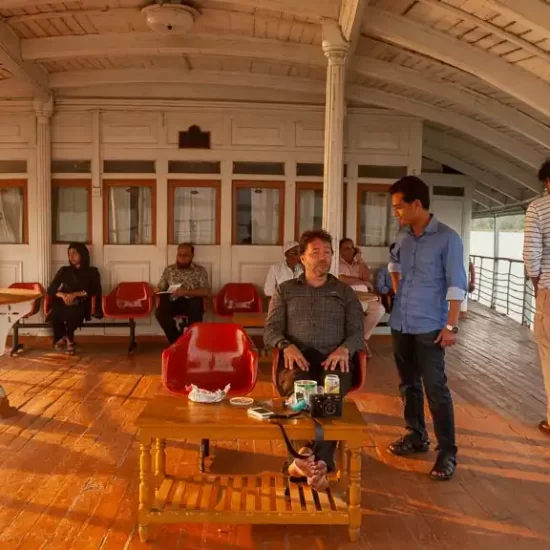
<point>72,128</point>
<point>309,134</point>
<point>10,272</point>
<point>258,131</point>
<point>130,127</point>
<point>16,129</point>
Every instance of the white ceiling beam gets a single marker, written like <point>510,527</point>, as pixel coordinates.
<point>482,157</point>
<point>448,118</point>
<point>27,73</point>
<point>351,19</point>
<point>309,8</point>
<point>475,102</point>
<point>491,68</point>
<point>534,14</point>
<point>482,200</point>
<point>98,12</point>
<point>79,79</point>
<point>499,185</point>
<point>489,27</point>
<point>148,43</point>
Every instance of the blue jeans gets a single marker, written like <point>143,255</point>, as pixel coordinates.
<point>420,360</point>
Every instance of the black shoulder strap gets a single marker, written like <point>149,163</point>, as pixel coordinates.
<point>319,437</point>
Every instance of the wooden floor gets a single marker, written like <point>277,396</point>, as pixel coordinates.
<point>68,462</point>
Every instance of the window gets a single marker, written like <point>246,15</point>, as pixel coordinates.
<point>259,168</point>
<point>194,167</point>
<point>385,172</point>
<point>13,166</point>
<point>376,225</point>
<point>13,212</point>
<point>129,212</point>
<point>309,207</point>
<point>129,166</point>
<point>194,212</point>
<point>71,166</point>
<point>71,211</point>
<point>258,209</point>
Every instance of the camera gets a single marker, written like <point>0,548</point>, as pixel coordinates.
<point>325,406</point>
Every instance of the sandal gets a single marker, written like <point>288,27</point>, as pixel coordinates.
<point>408,445</point>
<point>544,427</point>
<point>444,467</point>
<point>60,344</point>
<point>71,348</point>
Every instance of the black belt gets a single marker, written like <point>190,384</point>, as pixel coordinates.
<point>319,433</point>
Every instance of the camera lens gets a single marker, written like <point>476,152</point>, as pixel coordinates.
<point>170,27</point>
<point>330,409</point>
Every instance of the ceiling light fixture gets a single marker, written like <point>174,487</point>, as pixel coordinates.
<point>170,18</point>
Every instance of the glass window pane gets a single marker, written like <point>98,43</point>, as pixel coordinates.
<point>257,216</point>
<point>311,209</point>
<point>13,166</point>
<point>194,215</point>
<point>130,215</point>
<point>386,172</point>
<point>70,210</point>
<point>194,167</point>
<point>376,227</point>
<point>71,166</point>
<point>259,168</point>
<point>12,215</point>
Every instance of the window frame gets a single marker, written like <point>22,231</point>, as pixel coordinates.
<point>173,184</point>
<point>251,184</point>
<point>82,182</point>
<point>373,188</point>
<point>114,183</point>
<point>24,185</point>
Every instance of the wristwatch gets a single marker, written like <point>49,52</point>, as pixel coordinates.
<point>452,328</point>
<point>282,344</point>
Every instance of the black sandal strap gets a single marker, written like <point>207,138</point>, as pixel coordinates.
<point>444,467</point>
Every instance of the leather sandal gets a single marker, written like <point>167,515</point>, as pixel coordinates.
<point>444,467</point>
<point>544,427</point>
<point>408,445</point>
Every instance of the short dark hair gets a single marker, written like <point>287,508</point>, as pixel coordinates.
<point>313,234</point>
<point>413,189</point>
<point>344,240</point>
<point>544,172</point>
<point>187,245</point>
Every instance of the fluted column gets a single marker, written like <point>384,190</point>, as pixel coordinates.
<point>43,200</point>
<point>335,48</point>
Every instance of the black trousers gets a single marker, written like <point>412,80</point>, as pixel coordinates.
<point>66,319</point>
<point>420,360</point>
<point>168,309</point>
<point>285,386</point>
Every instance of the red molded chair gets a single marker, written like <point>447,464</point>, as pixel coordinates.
<point>359,375</point>
<point>37,287</point>
<point>237,298</point>
<point>210,356</point>
<point>129,301</point>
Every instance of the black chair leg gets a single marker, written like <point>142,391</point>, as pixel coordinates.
<point>204,453</point>
<point>133,344</point>
<point>16,346</point>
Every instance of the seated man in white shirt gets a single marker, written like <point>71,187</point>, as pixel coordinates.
<point>290,268</point>
<point>354,272</point>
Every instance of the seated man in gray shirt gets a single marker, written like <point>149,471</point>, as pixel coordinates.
<point>317,322</point>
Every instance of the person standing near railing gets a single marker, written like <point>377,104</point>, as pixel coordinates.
<point>536,256</point>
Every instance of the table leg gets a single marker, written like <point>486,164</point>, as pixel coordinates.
<point>355,492</point>
<point>160,459</point>
<point>145,487</point>
<point>343,464</point>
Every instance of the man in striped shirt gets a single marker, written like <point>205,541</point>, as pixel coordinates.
<point>536,255</point>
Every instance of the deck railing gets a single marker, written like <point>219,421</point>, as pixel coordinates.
<point>501,284</point>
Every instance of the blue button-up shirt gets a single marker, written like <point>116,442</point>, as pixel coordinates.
<point>432,273</point>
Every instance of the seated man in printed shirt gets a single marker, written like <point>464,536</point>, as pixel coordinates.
<point>289,268</point>
<point>354,272</point>
<point>183,286</point>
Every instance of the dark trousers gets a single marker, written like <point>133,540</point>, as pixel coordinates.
<point>285,385</point>
<point>66,319</point>
<point>168,309</point>
<point>419,359</point>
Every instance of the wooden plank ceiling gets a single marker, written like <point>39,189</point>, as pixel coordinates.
<point>479,69</point>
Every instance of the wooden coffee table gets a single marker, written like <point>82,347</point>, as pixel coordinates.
<point>245,499</point>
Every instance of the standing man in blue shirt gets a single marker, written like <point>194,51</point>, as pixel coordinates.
<point>429,279</point>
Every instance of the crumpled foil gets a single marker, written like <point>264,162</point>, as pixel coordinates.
<point>198,395</point>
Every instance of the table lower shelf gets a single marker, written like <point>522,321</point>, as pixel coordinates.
<point>244,499</point>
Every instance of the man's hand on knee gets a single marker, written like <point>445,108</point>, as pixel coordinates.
<point>338,358</point>
<point>293,355</point>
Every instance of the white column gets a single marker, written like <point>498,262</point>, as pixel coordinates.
<point>335,48</point>
<point>43,212</point>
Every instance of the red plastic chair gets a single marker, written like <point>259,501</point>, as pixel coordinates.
<point>237,298</point>
<point>129,301</point>
<point>359,375</point>
<point>210,356</point>
<point>37,287</point>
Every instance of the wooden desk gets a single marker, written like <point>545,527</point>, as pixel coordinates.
<point>250,320</point>
<point>258,499</point>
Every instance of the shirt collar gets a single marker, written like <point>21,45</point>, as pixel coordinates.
<point>353,262</point>
<point>302,278</point>
<point>432,227</point>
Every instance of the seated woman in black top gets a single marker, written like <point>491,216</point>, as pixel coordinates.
<point>71,291</point>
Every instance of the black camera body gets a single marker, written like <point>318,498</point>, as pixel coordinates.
<point>325,406</point>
